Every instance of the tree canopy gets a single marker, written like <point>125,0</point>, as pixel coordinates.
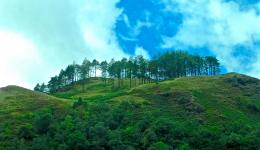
<point>168,65</point>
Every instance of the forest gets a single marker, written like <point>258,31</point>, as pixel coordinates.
<point>102,127</point>
<point>164,66</point>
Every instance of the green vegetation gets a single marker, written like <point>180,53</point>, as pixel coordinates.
<point>174,101</point>
<point>165,66</point>
<point>216,112</point>
<point>18,107</point>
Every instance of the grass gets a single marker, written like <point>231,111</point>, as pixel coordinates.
<point>18,106</point>
<point>214,102</point>
<point>223,98</point>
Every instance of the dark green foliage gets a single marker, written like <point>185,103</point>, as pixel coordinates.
<point>104,69</point>
<point>253,108</point>
<point>161,146</point>
<point>115,140</point>
<point>43,122</point>
<point>26,133</point>
<point>150,137</point>
<point>77,140</point>
<point>232,141</point>
<point>119,129</point>
<point>37,87</point>
<point>79,103</point>
<point>41,143</point>
<point>40,88</point>
<point>85,69</point>
<point>95,64</point>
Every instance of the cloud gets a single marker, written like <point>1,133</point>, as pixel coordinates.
<point>98,21</point>
<point>60,31</point>
<point>142,51</point>
<point>51,25</point>
<point>221,26</point>
<point>14,67</point>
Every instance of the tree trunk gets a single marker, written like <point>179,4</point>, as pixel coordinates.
<point>130,82</point>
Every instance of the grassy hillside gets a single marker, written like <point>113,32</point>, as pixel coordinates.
<point>218,112</point>
<point>225,103</point>
<point>214,100</point>
<point>18,107</point>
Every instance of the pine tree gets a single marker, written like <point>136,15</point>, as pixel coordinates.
<point>104,69</point>
<point>95,64</point>
<point>37,87</point>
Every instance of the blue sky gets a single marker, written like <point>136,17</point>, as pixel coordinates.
<point>38,38</point>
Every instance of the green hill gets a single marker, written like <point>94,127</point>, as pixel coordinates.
<point>218,103</point>
<point>231,97</point>
<point>18,106</point>
<point>217,112</point>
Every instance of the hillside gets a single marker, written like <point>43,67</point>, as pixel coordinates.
<point>212,100</point>
<point>217,103</point>
<point>18,106</point>
<point>231,97</point>
<point>224,103</point>
<point>217,112</point>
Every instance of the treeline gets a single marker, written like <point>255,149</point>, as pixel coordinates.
<point>164,66</point>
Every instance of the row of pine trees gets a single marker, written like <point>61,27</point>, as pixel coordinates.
<point>164,66</point>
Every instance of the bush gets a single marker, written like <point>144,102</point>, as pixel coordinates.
<point>26,133</point>
<point>253,108</point>
<point>161,146</point>
<point>203,138</point>
<point>98,134</point>
<point>146,122</point>
<point>165,131</point>
<point>115,141</point>
<point>77,140</point>
<point>42,122</point>
<point>194,108</point>
<point>62,147</point>
<point>79,103</point>
<point>232,141</point>
<point>41,143</point>
<point>150,138</point>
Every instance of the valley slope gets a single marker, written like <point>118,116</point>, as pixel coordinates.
<point>18,107</point>
<point>214,100</point>
<point>217,112</point>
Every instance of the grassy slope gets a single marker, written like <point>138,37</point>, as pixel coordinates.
<point>223,99</point>
<point>93,91</point>
<point>18,105</point>
<point>213,101</point>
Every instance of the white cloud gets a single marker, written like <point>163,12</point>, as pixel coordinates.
<point>139,25</point>
<point>142,51</point>
<point>55,32</point>
<point>126,20</point>
<point>18,56</point>
<point>221,26</point>
<point>98,21</point>
<point>146,23</point>
<point>135,28</point>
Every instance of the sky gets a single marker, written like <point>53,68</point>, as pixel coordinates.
<point>38,38</point>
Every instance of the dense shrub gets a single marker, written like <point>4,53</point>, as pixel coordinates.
<point>42,122</point>
<point>253,108</point>
<point>26,133</point>
<point>79,103</point>
<point>119,128</point>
